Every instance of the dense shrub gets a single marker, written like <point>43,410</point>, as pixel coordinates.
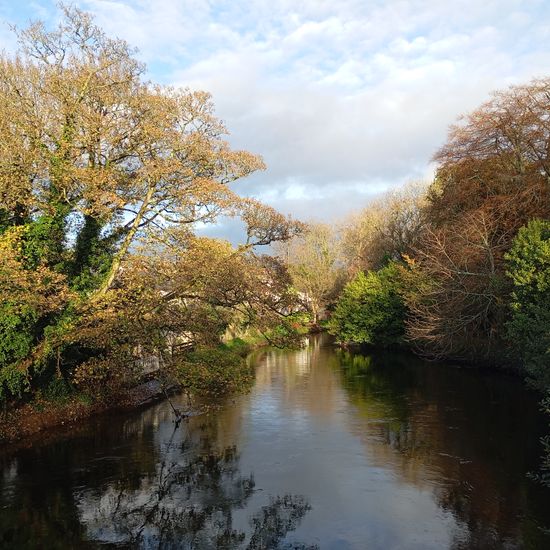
<point>371,309</point>
<point>214,372</point>
<point>528,263</point>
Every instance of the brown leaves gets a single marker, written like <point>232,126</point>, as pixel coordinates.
<point>500,150</point>
<point>175,299</point>
<point>492,178</point>
<point>264,225</point>
<point>126,170</point>
<point>388,227</point>
<point>513,127</point>
<point>313,261</point>
<point>456,306</point>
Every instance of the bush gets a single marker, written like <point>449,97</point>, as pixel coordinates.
<point>529,327</point>
<point>371,309</point>
<point>13,382</point>
<point>238,346</point>
<point>58,391</point>
<point>16,332</point>
<point>214,372</point>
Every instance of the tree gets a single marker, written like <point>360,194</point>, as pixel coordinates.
<point>30,293</point>
<point>386,229</point>
<point>456,290</point>
<point>528,266</point>
<point>313,263</point>
<point>105,172</point>
<point>179,301</point>
<point>492,178</point>
<point>370,310</point>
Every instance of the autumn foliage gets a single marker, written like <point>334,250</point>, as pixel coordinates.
<point>104,177</point>
<point>468,246</point>
<point>492,178</point>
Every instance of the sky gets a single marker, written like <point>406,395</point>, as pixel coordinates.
<point>344,99</point>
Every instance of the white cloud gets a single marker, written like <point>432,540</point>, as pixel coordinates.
<point>343,99</point>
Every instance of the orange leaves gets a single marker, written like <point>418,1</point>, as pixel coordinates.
<point>497,152</point>
<point>491,179</point>
<point>264,225</point>
<point>114,174</point>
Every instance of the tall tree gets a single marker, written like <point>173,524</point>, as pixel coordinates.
<point>314,265</point>
<point>386,229</point>
<point>492,177</point>
<point>96,163</point>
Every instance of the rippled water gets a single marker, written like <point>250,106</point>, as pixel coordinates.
<point>329,450</point>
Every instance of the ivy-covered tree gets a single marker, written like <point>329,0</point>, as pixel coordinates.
<point>99,167</point>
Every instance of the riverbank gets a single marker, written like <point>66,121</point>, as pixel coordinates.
<point>32,419</point>
<point>24,423</point>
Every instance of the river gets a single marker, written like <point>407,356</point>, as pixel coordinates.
<point>328,450</point>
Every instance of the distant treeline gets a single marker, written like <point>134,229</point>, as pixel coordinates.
<point>458,267</point>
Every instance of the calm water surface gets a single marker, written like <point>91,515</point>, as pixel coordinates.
<point>329,450</point>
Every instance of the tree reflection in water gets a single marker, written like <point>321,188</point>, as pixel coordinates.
<point>393,452</point>
<point>450,433</point>
<point>190,504</point>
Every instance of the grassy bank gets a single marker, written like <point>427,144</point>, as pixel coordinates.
<point>62,407</point>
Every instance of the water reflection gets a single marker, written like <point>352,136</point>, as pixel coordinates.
<point>329,450</point>
<point>151,491</point>
<point>470,437</point>
<point>188,503</point>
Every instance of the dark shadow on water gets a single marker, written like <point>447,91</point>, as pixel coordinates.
<point>477,432</point>
<point>330,449</point>
<point>180,495</point>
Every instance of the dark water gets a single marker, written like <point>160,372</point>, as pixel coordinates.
<point>329,450</point>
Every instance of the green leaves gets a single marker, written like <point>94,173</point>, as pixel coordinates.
<point>370,309</point>
<point>528,263</point>
<point>103,178</point>
<point>16,339</point>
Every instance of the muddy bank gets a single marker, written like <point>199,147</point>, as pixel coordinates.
<point>45,420</point>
